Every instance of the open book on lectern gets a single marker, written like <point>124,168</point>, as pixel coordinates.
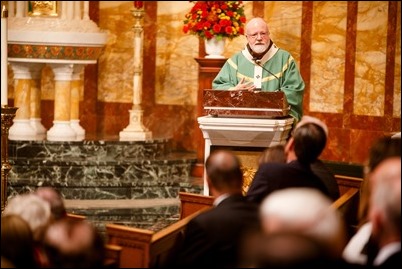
<point>245,104</point>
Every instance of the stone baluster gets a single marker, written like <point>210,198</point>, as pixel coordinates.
<point>19,13</point>
<point>77,10</point>
<point>76,89</point>
<point>22,128</point>
<point>63,10</point>
<point>11,9</point>
<point>70,10</point>
<point>36,73</point>
<point>61,129</point>
<point>86,11</point>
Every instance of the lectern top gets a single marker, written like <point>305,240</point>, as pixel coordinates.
<point>255,104</point>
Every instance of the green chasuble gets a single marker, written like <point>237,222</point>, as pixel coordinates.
<point>286,76</point>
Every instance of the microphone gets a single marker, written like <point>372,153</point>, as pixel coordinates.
<point>258,62</point>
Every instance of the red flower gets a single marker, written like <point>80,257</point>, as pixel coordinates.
<point>216,28</point>
<point>209,19</point>
<point>208,35</point>
<point>199,26</point>
<point>225,23</point>
<point>228,30</point>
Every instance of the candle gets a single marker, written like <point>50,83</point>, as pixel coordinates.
<point>138,4</point>
<point>4,73</point>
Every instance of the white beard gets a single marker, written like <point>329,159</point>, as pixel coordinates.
<point>259,48</point>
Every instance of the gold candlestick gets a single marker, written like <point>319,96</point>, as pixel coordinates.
<point>7,116</point>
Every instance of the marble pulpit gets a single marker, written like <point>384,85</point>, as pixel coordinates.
<point>245,104</point>
<point>244,119</point>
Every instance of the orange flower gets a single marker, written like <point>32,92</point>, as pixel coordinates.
<point>219,19</point>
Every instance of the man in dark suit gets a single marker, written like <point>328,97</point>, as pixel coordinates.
<point>214,238</point>
<point>306,144</point>
<point>319,167</point>
<point>327,177</point>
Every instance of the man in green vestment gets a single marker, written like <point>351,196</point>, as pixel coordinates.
<point>263,66</point>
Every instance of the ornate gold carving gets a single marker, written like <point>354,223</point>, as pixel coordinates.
<point>42,8</point>
<point>7,115</point>
<point>248,175</point>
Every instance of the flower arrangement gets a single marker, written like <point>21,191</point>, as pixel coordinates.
<point>219,19</point>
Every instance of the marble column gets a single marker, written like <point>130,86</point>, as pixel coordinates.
<point>76,88</point>
<point>22,128</point>
<point>35,119</point>
<point>61,129</point>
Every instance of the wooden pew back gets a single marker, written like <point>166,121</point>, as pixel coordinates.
<point>164,244</point>
<point>192,202</point>
<point>142,248</point>
<point>348,202</point>
<point>75,216</point>
<point>112,256</point>
<point>346,182</point>
<point>135,244</point>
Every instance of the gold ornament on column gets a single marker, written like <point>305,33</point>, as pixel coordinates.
<point>7,116</point>
<point>7,113</point>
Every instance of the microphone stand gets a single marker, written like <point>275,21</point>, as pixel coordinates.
<point>258,62</point>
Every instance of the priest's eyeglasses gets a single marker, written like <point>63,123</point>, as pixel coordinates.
<point>254,36</point>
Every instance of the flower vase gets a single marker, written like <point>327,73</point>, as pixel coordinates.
<point>214,47</point>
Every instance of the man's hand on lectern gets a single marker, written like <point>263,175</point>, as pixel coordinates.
<point>244,86</point>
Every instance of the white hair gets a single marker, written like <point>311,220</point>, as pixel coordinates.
<point>33,209</point>
<point>306,211</point>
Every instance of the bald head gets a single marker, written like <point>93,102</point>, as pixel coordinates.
<point>387,170</point>
<point>223,171</point>
<point>256,23</point>
<point>385,201</point>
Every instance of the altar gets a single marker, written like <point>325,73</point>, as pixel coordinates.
<point>244,120</point>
